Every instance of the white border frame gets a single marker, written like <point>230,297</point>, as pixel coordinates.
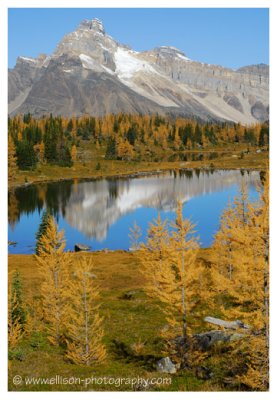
<point>4,5</point>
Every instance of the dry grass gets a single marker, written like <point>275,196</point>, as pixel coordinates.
<point>117,270</point>
<point>130,319</point>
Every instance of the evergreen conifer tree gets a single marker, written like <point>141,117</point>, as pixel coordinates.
<point>17,316</point>
<point>111,149</point>
<point>18,311</point>
<point>45,219</point>
<point>26,156</point>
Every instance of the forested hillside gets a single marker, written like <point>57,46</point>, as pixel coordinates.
<point>56,140</point>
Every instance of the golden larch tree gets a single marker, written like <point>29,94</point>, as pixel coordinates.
<point>125,150</point>
<point>74,153</point>
<point>84,326</point>
<point>12,165</point>
<point>184,247</point>
<point>154,256</point>
<point>54,265</point>
<point>39,149</point>
<point>242,244</point>
<point>134,236</point>
<point>173,276</point>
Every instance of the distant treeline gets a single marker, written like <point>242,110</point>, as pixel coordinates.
<point>55,140</point>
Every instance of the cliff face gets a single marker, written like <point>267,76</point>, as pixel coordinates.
<point>91,73</point>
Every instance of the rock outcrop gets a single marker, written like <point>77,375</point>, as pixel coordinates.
<point>166,366</point>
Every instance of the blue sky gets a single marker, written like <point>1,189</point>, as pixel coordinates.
<point>229,37</point>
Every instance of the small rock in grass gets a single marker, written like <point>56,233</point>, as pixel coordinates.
<point>165,365</point>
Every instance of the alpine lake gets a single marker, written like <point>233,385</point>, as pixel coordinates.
<point>99,213</point>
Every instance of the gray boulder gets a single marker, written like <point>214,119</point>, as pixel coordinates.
<point>166,366</point>
<point>81,247</point>
<point>206,340</point>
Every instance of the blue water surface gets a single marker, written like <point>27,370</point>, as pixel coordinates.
<point>100,213</point>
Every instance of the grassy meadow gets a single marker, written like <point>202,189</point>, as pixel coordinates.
<point>130,318</point>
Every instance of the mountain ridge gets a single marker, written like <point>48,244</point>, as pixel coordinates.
<point>89,72</point>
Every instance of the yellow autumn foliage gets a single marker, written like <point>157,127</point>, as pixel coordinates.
<point>241,276</point>
<point>54,265</point>
<point>83,324</point>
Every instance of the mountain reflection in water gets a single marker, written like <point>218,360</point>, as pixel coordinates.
<point>92,207</point>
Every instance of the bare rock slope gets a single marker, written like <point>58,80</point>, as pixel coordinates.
<point>91,73</point>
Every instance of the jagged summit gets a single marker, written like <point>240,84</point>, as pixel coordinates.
<point>91,73</point>
<point>94,24</point>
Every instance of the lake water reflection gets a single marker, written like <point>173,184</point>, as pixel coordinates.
<point>99,213</point>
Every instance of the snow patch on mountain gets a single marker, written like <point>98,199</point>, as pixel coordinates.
<point>127,65</point>
<point>108,70</point>
<point>183,57</point>
<point>140,76</point>
<point>28,59</point>
<point>89,63</point>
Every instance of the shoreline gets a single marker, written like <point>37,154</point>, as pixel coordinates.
<point>137,173</point>
<point>129,254</point>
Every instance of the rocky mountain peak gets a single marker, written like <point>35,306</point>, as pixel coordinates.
<point>90,72</point>
<point>89,41</point>
<point>95,24</point>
